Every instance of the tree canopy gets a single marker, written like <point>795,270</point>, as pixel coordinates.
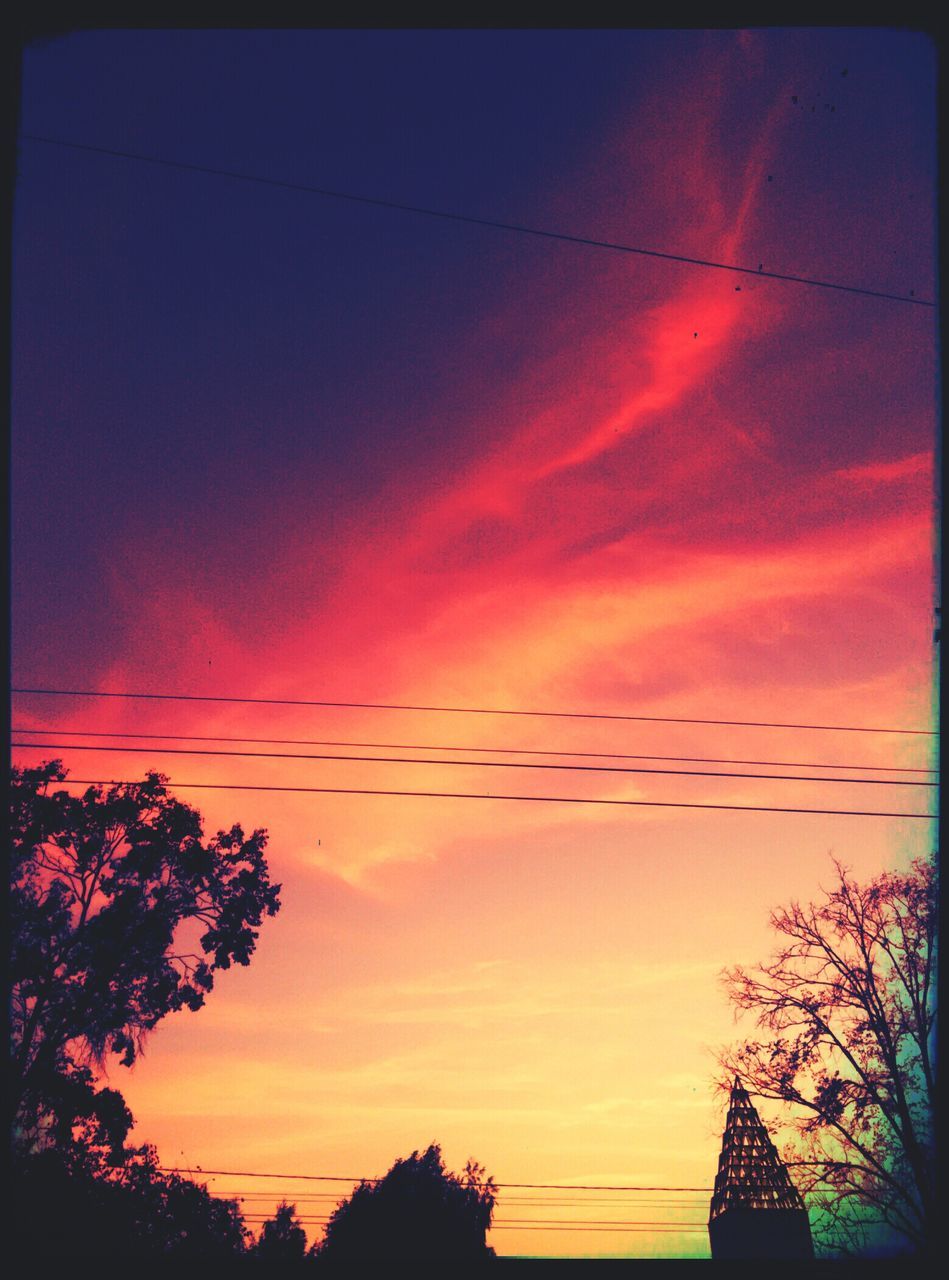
<point>418,1211</point>
<point>282,1238</point>
<point>120,912</point>
<point>66,1207</point>
<point>848,1003</point>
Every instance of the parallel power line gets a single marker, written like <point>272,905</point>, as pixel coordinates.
<point>256,1215</point>
<point>317,1217</point>
<point>314,1217</point>
<point>519,228</point>
<point>340,1177</point>
<point>487,795</point>
<point>481,711</point>
<point>270,1197</point>
<point>664,1228</point>
<point>258,1202</point>
<point>425,746</point>
<point>472,764</point>
<point>528,1224</point>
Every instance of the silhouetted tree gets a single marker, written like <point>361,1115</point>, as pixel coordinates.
<point>282,1239</point>
<point>166,1213</point>
<point>849,1003</point>
<point>67,1208</point>
<point>120,913</point>
<point>417,1211</point>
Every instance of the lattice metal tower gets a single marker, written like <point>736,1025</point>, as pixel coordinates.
<point>756,1211</point>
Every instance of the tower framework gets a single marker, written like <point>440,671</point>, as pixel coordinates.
<point>756,1210</point>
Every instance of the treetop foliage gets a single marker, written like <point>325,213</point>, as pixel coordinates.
<point>121,912</point>
<point>70,1208</point>
<point>419,1210</point>
<point>282,1238</point>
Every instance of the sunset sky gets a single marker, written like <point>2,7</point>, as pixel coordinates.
<point>269,444</point>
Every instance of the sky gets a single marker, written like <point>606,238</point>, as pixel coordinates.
<point>269,444</point>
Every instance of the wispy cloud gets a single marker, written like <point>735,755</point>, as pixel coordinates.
<point>873,473</point>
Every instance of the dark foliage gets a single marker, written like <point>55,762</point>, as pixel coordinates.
<point>120,913</point>
<point>68,1208</point>
<point>848,1003</point>
<point>418,1211</point>
<point>282,1239</point>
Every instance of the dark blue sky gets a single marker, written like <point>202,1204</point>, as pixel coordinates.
<point>191,350</point>
<point>147,300</point>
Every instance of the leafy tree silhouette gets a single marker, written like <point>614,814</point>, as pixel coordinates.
<point>68,1207</point>
<point>282,1239</point>
<point>120,913</point>
<point>848,1003</point>
<point>418,1211</point>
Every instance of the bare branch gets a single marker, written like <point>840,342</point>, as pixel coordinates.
<point>846,1000</point>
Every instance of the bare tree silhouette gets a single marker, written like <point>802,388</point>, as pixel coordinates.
<point>848,1003</point>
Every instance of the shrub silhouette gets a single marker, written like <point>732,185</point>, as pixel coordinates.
<point>419,1210</point>
<point>65,1209</point>
<point>282,1239</point>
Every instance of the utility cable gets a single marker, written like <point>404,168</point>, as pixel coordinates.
<point>481,711</point>
<point>487,795</point>
<point>471,764</point>
<point>534,1224</point>
<point>529,1224</point>
<point>425,746</point>
<point>326,192</point>
<point>338,1177</point>
<point>681,1202</point>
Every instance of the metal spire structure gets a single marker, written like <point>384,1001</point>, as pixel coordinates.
<point>756,1210</point>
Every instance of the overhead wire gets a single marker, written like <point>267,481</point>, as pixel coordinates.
<point>354,1179</point>
<point>269,1197</point>
<point>423,746</point>
<point>482,711</point>
<point>670,1230</point>
<point>258,1215</point>
<point>530,1224</point>
<point>487,795</point>
<point>537,1224</point>
<point>474,764</point>
<point>519,228</point>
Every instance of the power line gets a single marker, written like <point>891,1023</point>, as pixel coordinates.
<point>481,222</point>
<point>535,1224</point>
<point>576,1226</point>
<point>617,1195</point>
<point>656,1230</point>
<point>481,711</point>
<point>487,795</point>
<point>423,746</point>
<point>269,1197</point>
<point>503,1226</point>
<point>537,1201</point>
<point>258,1216</point>
<point>339,1177</point>
<point>471,764</point>
<point>666,1227</point>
